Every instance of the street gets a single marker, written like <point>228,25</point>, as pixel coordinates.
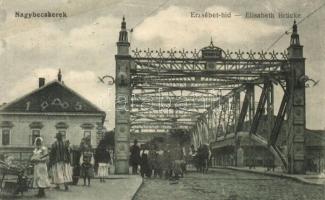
<point>225,184</point>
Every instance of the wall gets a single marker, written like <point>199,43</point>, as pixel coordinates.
<point>21,132</point>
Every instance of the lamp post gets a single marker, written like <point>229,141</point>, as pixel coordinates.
<point>111,80</point>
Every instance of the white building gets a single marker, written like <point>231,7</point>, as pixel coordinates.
<point>51,108</point>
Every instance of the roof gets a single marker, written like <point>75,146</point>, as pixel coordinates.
<point>53,97</point>
<point>211,47</point>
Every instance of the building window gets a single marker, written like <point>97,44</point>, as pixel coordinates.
<point>87,133</point>
<point>87,127</point>
<point>5,136</point>
<point>35,133</point>
<point>6,127</point>
<point>63,133</point>
<point>35,128</point>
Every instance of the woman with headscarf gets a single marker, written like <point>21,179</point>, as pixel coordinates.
<point>39,159</point>
<point>59,160</point>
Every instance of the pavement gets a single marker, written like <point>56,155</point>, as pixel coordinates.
<point>314,179</point>
<point>126,187</point>
<point>116,187</point>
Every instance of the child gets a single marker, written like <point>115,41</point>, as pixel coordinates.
<point>87,161</point>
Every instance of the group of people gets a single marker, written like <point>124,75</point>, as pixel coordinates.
<point>153,161</point>
<point>58,161</point>
<point>157,162</point>
<point>59,165</point>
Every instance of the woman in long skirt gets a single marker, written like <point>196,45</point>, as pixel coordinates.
<point>39,158</point>
<point>68,167</point>
<point>59,160</point>
<point>103,159</point>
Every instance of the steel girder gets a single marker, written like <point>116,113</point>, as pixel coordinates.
<point>160,82</point>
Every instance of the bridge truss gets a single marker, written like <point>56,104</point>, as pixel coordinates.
<point>201,93</point>
<point>176,89</point>
<point>209,92</point>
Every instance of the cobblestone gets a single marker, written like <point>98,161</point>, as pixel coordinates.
<point>225,184</point>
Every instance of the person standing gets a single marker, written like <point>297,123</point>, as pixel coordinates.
<point>86,160</point>
<point>39,159</point>
<point>59,158</point>
<point>144,169</point>
<point>75,161</point>
<point>159,163</point>
<point>167,160</point>
<point>176,158</point>
<point>135,158</point>
<point>103,159</point>
<point>68,162</point>
<point>151,159</point>
<point>206,155</point>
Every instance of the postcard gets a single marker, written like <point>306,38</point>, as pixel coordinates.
<point>162,99</point>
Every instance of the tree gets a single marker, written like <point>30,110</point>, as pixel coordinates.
<point>109,139</point>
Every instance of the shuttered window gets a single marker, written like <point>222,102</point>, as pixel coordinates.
<point>5,136</point>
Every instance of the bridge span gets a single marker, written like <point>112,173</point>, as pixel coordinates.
<point>220,97</point>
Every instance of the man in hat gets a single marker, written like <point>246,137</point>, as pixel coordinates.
<point>135,157</point>
<point>59,162</point>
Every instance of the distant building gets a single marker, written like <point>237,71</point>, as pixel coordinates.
<point>315,150</point>
<point>51,108</point>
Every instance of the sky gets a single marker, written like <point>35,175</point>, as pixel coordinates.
<point>83,45</point>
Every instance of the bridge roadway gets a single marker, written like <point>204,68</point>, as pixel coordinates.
<point>223,184</point>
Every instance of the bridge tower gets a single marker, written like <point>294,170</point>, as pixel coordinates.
<point>122,102</point>
<point>297,110</point>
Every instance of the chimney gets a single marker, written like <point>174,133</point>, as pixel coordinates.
<point>41,82</point>
<point>59,76</point>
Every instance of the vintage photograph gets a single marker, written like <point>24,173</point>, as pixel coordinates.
<point>162,99</point>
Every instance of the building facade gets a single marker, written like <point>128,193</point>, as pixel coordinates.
<point>51,108</point>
